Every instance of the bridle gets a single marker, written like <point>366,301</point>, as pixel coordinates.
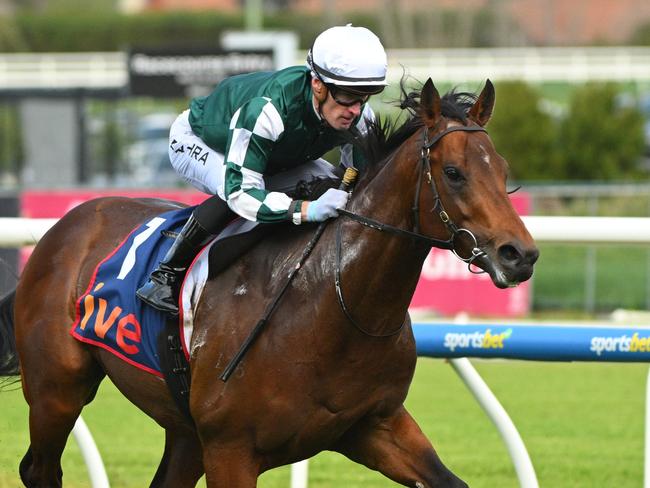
<point>454,230</point>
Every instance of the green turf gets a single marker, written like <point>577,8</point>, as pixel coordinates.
<point>621,277</point>
<point>582,423</point>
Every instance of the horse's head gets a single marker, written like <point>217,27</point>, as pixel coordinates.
<point>467,190</point>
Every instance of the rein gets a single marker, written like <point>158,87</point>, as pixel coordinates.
<point>415,235</point>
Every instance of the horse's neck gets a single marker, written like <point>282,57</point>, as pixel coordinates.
<point>380,270</point>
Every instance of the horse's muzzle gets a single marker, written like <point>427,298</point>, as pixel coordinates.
<point>511,264</point>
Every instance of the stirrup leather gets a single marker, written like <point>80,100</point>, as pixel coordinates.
<point>163,287</point>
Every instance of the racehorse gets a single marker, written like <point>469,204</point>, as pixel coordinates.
<point>332,368</point>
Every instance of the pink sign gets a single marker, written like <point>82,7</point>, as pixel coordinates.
<point>43,204</point>
<point>54,204</point>
<point>446,287</point>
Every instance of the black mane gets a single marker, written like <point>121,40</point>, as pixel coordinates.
<point>384,137</point>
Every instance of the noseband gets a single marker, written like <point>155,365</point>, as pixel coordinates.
<point>454,230</point>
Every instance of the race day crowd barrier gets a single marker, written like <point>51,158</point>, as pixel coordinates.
<point>533,342</point>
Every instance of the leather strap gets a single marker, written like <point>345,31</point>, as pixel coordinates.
<point>174,366</point>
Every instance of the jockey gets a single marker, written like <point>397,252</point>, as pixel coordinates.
<point>256,135</point>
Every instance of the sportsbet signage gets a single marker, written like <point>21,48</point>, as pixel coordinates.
<point>534,342</point>
<point>483,339</point>
<point>635,342</point>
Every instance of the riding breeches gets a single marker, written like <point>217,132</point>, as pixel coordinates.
<point>205,169</point>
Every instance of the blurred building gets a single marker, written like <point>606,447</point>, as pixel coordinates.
<point>6,7</point>
<point>561,22</point>
<point>543,22</point>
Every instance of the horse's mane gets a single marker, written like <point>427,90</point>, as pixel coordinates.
<point>385,135</point>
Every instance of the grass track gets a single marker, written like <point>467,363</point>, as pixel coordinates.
<point>582,423</point>
<point>621,277</point>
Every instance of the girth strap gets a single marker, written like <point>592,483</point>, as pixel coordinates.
<point>174,366</point>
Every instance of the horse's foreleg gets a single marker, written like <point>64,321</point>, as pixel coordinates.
<point>229,466</point>
<point>396,447</point>
<point>181,464</point>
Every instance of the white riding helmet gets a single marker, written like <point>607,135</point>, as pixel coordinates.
<point>351,58</point>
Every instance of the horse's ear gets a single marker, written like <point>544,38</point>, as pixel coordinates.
<point>482,109</point>
<point>430,104</point>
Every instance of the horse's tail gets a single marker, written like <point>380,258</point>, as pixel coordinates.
<point>9,365</point>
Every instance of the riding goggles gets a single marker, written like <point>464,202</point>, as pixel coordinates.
<point>346,98</point>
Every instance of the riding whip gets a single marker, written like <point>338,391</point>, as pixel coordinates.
<point>348,180</point>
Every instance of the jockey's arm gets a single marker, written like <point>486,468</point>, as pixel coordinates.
<point>254,128</point>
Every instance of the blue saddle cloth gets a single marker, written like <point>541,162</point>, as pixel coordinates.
<point>109,314</point>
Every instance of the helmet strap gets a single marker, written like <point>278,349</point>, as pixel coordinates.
<point>321,95</point>
<point>319,107</point>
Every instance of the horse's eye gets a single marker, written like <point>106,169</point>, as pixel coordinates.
<point>453,174</point>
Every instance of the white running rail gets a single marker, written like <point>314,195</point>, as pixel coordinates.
<point>16,232</point>
<point>90,453</point>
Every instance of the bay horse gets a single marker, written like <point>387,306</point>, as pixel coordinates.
<point>332,368</point>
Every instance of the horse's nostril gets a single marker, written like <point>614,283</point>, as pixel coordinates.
<point>532,255</point>
<point>509,254</point>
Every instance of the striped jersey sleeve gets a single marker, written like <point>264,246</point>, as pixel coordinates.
<point>254,129</point>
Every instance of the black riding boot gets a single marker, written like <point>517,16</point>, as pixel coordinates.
<point>161,291</point>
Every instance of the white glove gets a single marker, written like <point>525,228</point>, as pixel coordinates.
<point>325,207</point>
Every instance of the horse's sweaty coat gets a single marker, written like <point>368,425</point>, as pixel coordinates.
<point>311,381</point>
